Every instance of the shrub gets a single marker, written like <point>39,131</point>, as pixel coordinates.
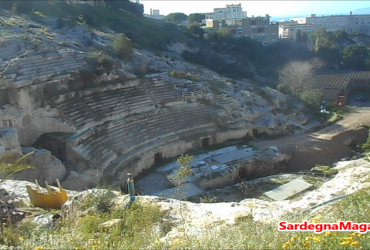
<point>100,63</point>
<point>188,76</point>
<point>311,97</point>
<point>86,78</point>
<point>122,47</point>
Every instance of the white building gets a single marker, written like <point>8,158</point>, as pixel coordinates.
<point>349,23</point>
<point>232,11</point>
<point>154,14</point>
<point>289,29</point>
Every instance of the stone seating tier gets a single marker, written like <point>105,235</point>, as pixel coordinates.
<point>124,137</point>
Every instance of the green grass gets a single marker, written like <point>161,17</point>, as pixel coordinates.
<point>133,230</point>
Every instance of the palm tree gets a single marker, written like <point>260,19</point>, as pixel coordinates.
<point>8,169</point>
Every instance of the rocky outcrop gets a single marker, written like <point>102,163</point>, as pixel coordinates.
<point>49,168</point>
<point>194,219</point>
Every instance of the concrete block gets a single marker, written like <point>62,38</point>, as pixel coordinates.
<point>182,192</point>
<point>288,190</point>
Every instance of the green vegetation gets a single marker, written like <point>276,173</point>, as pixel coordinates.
<point>100,63</point>
<point>122,47</point>
<point>131,228</point>
<point>7,168</point>
<point>326,170</point>
<point>366,146</point>
<point>195,18</point>
<point>176,17</point>
<point>337,49</point>
<point>188,76</point>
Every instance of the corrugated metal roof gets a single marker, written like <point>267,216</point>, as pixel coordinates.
<point>337,80</point>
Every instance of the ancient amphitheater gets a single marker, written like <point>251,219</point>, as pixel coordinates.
<point>118,123</point>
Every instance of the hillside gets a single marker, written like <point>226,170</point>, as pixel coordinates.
<point>68,94</point>
<point>98,92</point>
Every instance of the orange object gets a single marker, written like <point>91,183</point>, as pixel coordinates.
<point>53,199</point>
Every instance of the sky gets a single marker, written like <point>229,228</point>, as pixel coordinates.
<point>275,8</point>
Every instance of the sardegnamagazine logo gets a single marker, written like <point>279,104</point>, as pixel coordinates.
<point>321,227</point>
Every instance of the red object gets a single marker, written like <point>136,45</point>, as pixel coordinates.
<point>340,101</point>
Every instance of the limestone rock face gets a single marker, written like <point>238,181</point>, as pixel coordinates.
<point>9,141</point>
<point>49,168</point>
<point>88,179</point>
<point>30,124</point>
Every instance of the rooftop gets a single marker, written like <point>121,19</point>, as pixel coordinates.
<point>335,80</point>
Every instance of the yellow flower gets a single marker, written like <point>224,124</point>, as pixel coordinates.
<point>355,243</point>
<point>95,247</point>
<point>317,239</point>
<point>294,238</point>
<point>39,248</point>
<point>348,238</point>
<point>346,242</point>
<point>286,245</point>
<point>20,238</point>
<point>327,233</point>
<point>308,238</point>
<point>314,221</point>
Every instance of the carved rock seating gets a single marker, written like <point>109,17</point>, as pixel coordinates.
<point>43,65</point>
<point>117,126</point>
<point>146,132</point>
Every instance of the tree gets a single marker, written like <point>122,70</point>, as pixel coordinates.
<point>341,36</point>
<point>355,57</point>
<point>7,169</point>
<point>304,37</point>
<point>195,18</point>
<point>196,30</point>
<point>331,55</point>
<point>322,38</point>
<point>133,7</point>
<point>298,36</point>
<point>294,73</point>
<point>122,47</point>
<point>176,17</point>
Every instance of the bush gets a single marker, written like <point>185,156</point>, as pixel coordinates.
<point>188,76</point>
<point>122,47</point>
<point>100,63</point>
<point>311,97</point>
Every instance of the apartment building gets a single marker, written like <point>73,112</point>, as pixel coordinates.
<point>231,11</point>
<point>258,28</point>
<point>349,23</point>
<point>288,30</point>
<point>154,14</point>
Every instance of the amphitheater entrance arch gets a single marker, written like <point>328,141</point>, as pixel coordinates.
<point>205,142</point>
<point>158,156</point>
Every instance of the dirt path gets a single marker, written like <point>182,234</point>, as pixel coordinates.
<point>325,146</point>
<point>359,116</point>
